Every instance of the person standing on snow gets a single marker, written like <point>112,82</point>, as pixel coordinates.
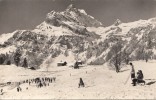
<point>132,71</point>
<point>17,89</point>
<point>81,83</point>
<point>1,90</point>
<point>133,74</point>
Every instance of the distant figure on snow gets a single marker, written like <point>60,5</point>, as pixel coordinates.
<point>1,93</point>
<point>1,90</point>
<point>17,89</point>
<point>81,83</point>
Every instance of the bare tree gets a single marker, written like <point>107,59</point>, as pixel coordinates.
<point>17,56</point>
<point>116,56</point>
<point>149,43</point>
<point>126,57</point>
<point>148,54</point>
<point>48,65</point>
<point>25,64</point>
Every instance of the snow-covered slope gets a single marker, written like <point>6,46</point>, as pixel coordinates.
<point>136,38</point>
<point>100,83</point>
<point>5,37</point>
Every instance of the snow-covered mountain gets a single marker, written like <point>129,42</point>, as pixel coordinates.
<point>135,40</point>
<point>74,35</point>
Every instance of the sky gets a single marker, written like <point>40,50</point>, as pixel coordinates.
<point>27,14</point>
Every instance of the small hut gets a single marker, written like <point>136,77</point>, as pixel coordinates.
<point>62,63</point>
<point>32,68</point>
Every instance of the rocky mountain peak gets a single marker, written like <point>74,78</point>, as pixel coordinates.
<point>70,7</point>
<point>72,15</point>
<point>117,22</point>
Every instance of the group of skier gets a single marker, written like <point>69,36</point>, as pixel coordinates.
<point>39,82</point>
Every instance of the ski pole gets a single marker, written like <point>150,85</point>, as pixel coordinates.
<point>127,79</point>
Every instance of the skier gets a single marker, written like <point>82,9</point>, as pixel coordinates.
<point>140,77</point>
<point>17,89</point>
<point>1,90</point>
<point>42,79</point>
<point>51,80</point>
<point>26,81</point>
<point>133,75</point>
<point>81,83</point>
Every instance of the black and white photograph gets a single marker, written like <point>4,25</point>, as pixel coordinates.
<point>77,49</point>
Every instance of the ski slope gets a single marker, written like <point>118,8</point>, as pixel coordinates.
<point>100,82</point>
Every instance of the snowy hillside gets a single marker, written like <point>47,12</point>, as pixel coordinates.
<point>100,83</point>
<point>137,40</point>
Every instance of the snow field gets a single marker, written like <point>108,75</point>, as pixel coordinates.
<point>100,83</point>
